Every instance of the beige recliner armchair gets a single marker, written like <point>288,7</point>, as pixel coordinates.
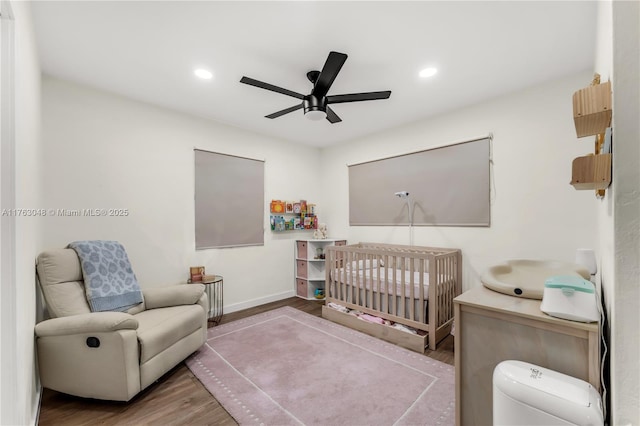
<point>112,355</point>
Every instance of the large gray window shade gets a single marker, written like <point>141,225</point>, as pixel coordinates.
<point>229,200</point>
<point>448,186</point>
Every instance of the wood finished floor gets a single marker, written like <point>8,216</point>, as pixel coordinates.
<point>177,398</point>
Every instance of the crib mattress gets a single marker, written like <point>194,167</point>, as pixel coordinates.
<point>368,279</point>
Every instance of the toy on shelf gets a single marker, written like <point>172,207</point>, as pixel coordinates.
<point>319,293</point>
<point>321,233</point>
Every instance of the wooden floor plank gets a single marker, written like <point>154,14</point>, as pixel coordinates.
<point>178,397</point>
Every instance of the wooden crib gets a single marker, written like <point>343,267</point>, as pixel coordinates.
<point>411,285</point>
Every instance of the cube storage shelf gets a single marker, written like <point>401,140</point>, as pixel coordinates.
<point>310,266</point>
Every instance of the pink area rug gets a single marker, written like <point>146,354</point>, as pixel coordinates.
<point>286,367</point>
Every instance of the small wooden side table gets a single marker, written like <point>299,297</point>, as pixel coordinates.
<point>214,291</point>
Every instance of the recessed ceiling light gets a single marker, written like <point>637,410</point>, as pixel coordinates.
<point>204,74</point>
<point>428,72</point>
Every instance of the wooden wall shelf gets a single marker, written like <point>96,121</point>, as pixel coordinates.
<point>592,109</point>
<point>591,172</point>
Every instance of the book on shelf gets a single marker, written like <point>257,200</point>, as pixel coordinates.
<point>277,206</point>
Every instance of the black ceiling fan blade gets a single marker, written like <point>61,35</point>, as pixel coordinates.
<point>329,72</point>
<point>357,97</point>
<point>332,116</point>
<point>284,111</point>
<point>267,86</point>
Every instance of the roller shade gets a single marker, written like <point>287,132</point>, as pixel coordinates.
<point>229,200</point>
<point>448,186</point>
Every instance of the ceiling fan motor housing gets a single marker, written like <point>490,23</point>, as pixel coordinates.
<point>314,103</point>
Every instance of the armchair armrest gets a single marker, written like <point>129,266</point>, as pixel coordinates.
<point>94,322</point>
<point>182,294</point>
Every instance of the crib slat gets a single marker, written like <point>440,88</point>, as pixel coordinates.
<point>339,274</point>
<point>412,293</point>
<point>371,281</point>
<point>441,305</point>
<point>394,290</point>
<point>434,304</point>
<point>402,288</point>
<point>447,296</point>
<point>385,271</point>
<point>421,313</point>
<point>445,292</point>
<point>349,279</point>
<point>451,295</point>
<point>377,295</point>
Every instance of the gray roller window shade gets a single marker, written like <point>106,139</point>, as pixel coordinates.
<point>229,200</point>
<point>448,186</point>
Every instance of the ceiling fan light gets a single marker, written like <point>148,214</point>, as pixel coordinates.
<point>315,115</point>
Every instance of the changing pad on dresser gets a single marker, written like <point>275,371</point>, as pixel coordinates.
<point>526,277</point>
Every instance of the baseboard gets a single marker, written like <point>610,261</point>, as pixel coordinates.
<point>259,301</point>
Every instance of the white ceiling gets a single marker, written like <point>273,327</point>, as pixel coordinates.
<point>148,50</point>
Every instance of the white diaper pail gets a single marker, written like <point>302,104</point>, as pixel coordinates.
<point>526,394</point>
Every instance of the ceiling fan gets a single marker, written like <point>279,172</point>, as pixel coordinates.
<point>316,104</point>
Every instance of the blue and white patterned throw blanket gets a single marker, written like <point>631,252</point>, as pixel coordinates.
<point>109,281</point>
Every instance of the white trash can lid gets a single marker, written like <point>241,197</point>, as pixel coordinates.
<point>552,392</point>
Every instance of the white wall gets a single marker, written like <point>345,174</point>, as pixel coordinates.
<point>535,213</point>
<point>625,316</point>
<point>28,230</point>
<point>106,151</point>
<point>617,58</point>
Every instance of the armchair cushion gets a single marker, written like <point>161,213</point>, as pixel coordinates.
<point>60,277</point>
<point>160,328</point>
<point>183,294</point>
<point>86,323</point>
